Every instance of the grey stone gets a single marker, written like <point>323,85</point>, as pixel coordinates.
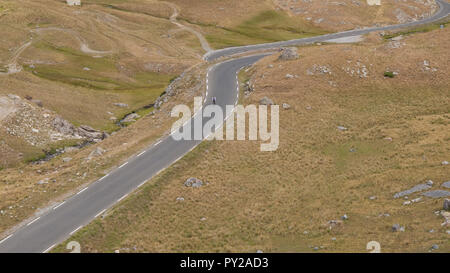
<point>414,189</point>
<point>446,184</point>
<point>180,199</point>
<point>434,247</point>
<point>193,182</point>
<point>344,217</point>
<point>446,204</point>
<point>342,128</point>
<point>436,194</point>
<point>96,153</point>
<point>444,163</point>
<point>290,53</point>
<point>259,251</point>
<point>122,105</point>
<point>429,182</point>
<point>266,101</point>
<point>286,106</point>
<point>397,228</point>
<point>67,159</point>
<point>131,117</point>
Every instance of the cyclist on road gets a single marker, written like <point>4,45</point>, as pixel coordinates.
<point>214,100</point>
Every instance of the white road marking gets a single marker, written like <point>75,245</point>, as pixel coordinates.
<point>33,221</point>
<point>141,153</point>
<point>100,213</point>
<point>121,198</point>
<point>59,205</point>
<point>9,236</point>
<point>103,177</point>
<point>48,249</point>
<point>123,164</point>
<point>82,190</point>
<point>75,230</point>
<point>140,185</point>
<point>159,141</point>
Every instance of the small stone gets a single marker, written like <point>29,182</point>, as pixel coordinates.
<point>203,219</point>
<point>193,182</point>
<point>388,138</point>
<point>180,199</point>
<point>286,106</point>
<point>259,251</point>
<point>289,76</point>
<point>397,228</point>
<point>429,183</point>
<point>444,163</point>
<point>67,159</point>
<point>342,128</point>
<point>266,101</point>
<point>344,217</point>
<point>431,231</point>
<point>434,247</point>
<point>372,197</point>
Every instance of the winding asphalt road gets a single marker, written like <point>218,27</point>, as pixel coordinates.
<point>66,218</point>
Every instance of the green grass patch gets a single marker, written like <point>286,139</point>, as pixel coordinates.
<point>268,26</point>
<point>419,29</point>
<point>389,74</point>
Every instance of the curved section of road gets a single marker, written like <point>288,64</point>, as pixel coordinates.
<point>444,10</point>
<point>43,233</point>
<point>63,220</point>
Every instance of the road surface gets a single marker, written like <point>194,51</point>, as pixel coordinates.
<point>64,219</point>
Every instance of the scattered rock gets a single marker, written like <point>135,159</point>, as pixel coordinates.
<point>414,189</point>
<point>131,118</point>
<point>96,153</point>
<point>122,105</point>
<point>434,247</point>
<point>90,133</point>
<point>289,76</point>
<point>259,251</point>
<point>342,128</point>
<point>372,197</point>
<point>444,163</point>
<point>446,184</point>
<point>193,182</point>
<point>180,199</point>
<point>397,228</point>
<point>290,53</point>
<point>436,194</point>
<point>67,159</point>
<point>429,183</point>
<point>446,204</point>
<point>286,106</point>
<point>43,181</point>
<point>266,101</point>
<point>344,217</point>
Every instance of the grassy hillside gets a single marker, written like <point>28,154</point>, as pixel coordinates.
<point>396,137</point>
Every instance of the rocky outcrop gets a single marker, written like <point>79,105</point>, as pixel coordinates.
<point>290,53</point>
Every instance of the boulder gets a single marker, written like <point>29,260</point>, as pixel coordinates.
<point>63,126</point>
<point>130,118</point>
<point>90,133</point>
<point>447,204</point>
<point>290,53</point>
<point>193,182</point>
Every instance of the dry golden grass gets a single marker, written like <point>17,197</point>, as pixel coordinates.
<point>21,196</point>
<point>282,201</point>
<point>347,14</point>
